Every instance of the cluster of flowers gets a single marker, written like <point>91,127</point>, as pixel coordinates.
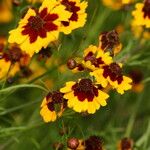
<point>141,21</point>
<point>39,27</point>
<point>90,93</point>
<point>36,30</point>
<point>94,143</point>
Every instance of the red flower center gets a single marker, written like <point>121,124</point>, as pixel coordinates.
<point>125,144</point>
<point>85,90</point>
<point>39,25</point>
<point>94,143</point>
<point>113,71</point>
<point>36,23</point>
<point>95,61</point>
<point>146,9</point>
<point>71,7</point>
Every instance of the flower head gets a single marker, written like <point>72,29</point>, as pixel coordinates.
<point>112,74</point>
<point>39,27</point>
<point>142,14</point>
<point>109,41</point>
<point>52,106</point>
<point>78,17</point>
<point>95,57</point>
<point>84,96</point>
<point>125,144</point>
<point>94,143</point>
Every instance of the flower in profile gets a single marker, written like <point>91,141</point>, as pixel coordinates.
<point>52,106</point>
<point>142,14</point>
<point>78,17</point>
<point>109,42</point>
<point>94,143</point>
<point>112,74</point>
<point>125,144</point>
<point>5,11</point>
<point>95,58</point>
<point>39,27</point>
<point>84,96</point>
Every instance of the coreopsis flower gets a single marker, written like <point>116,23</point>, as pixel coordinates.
<point>84,96</point>
<point>137,77</point>
<point>95,57</point>
<point>109,41</point>
<point>94,143</point>
<point>125,144</point>
<point>49,112</point>
<point>5,11</point>
<point>78,17</point>
<point>112,74</point>
<point>39,27</point>
<point>11,59</point>
<point>142,14</point>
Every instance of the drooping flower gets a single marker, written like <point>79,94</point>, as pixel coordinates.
<point>112,74</point>
<point>84,96</point>
<point>78,17</point>
<point>142,14</point>
<point>49,112</point>
<point>109,42</point>
<point>39,27</point>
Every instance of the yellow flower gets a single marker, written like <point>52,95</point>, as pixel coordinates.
<point>95,57</point>
<point>4,70</point>
<point>38,28</point>
<point>109,41</point>
<point>112,74</point>
<point>48,111</point>
<point>142,14</point>
<point>78,17</point>
<point>140,32</point>
<point>84,96</point>
<point>5,11</point>
<point>10,59</point>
